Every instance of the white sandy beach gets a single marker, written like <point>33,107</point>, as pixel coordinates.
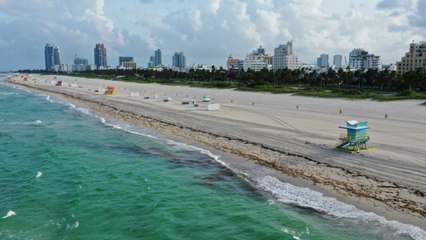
<point>295,135</point>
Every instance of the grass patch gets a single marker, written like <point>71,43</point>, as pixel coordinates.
<point>171,82</point>
<point>346,93</point>
<point>361,94</point>
<point>268,88</point>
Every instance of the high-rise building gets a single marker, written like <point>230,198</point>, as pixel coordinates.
<point>100,56</point>
<point>234,63</point>
<point>121,60</point>
<point>260,51</point>
<point>52,56</point>
<point>256,61</point>
<point>414,59</point>
<point>151,62</point>
<point>157,58</point>
<point>284,57</point>
<point>80,61</point>
<point>179,60</point>
<point>360,59</point>
<point>81,64</point>
<point>126,63</point>
<point>322,61</point>
<point>337,61</point>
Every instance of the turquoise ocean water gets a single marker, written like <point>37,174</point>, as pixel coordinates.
<point>66,173</point>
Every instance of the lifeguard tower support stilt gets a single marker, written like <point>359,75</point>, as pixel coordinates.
<point>356,137</point>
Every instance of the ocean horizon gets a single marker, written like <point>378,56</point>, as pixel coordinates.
<point>68,173</point>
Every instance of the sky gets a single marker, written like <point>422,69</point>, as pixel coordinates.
<point>207,31</point>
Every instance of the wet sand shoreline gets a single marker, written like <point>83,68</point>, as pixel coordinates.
<point>399,199</point>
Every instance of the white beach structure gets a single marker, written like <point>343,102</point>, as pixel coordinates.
<point>134,94</point>
<point>212,106</point>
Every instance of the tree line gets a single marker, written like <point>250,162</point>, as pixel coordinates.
<point>367,79</point>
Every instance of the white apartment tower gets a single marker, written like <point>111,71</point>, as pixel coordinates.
<point>255,63</point>
<point>360,59</point>
<point>284,57</point>
<point>257,60</point>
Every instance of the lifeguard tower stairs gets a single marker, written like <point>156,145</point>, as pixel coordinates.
<point>356,137</point>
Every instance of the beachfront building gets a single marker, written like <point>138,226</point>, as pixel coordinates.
<point>257,62</point>
<point>156,60</point>
<point>61,68</point>
<point>337,61</point>
<point>414,59</point>
<point>151,62</point>
<point>100,54</point>
<point>126,63</point>
<point>80,61</point>
<point>234,63</point>
<point>260,51</point>
<point>284,57</point>
<point>52,56</point>
<point>179,61</point>
<point>128,66</point>
<point>359,59</point>
<point>81,65</point>
<point>240,65</point>
<point>390,67</point>
<point>121,60</point>
<point>200,67</point>
<point>322,61</point>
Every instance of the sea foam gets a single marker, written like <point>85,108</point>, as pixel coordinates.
<point>10,213</point>
<point>294,234</point>
<point>307,198</point>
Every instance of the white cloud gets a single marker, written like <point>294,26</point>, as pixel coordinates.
<point>207,31</point>
<point>270,21</point>
<point>215,6</point>
<point>95,16</point>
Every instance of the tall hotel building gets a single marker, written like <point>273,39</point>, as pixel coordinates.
<point>284,57</point>
<point>179,60</point>
<point>158,58</point>
<point>52,56</point>
<point>100,56</point>
<point>414,59</point>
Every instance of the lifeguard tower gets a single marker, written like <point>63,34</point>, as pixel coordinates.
<point>356,137</point>
<point>109,90</point>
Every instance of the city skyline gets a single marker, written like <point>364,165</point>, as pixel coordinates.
<point>206,31</point>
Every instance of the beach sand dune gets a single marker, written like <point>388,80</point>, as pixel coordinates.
<point>294,135</point>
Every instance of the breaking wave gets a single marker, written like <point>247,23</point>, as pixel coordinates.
<point>307,198</point>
